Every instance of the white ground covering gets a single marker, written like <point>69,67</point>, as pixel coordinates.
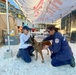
<point>15,66</point>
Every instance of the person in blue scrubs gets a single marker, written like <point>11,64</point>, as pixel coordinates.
<point>61,51</point>
<point>25,47</point>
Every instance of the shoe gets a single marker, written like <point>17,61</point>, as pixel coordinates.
<point>72,64</point>
<point>18,55</point>
<point>32,55</point>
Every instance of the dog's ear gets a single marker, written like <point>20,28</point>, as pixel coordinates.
<point>33,36</point>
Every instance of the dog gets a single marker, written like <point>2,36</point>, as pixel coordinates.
<point>38,46</point>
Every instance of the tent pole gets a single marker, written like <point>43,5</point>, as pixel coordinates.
<point>8,23</point>
<point>26,20</point>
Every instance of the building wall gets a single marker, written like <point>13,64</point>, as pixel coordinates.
<point>11,9</point>
<point>20,22</point>
<point>3,25</point>
<point>58,23</point>
<point>73,23</point>
<point>30,24</point>
<point>16,13</point>
<point>69,22</point>
<point>35,25</point>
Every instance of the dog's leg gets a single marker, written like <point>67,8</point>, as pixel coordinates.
<point>47,51</point>
<point>41,56</point>
<point>36,55</point>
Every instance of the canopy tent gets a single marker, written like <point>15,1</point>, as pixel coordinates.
<point>46,11</point>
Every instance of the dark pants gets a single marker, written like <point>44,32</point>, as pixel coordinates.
<point>57,63</point>
<point>25,54</point>
<point>53,55</point>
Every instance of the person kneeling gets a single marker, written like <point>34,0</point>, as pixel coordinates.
<point>25,47</point>
<point>61,51</point>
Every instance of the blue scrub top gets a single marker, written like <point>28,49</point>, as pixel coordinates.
<point>60,46</point>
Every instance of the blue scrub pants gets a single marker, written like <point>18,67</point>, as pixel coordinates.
<point>25,54</point>
<point>57,63</point>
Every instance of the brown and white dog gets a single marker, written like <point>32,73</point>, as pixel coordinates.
<point>38,46</point>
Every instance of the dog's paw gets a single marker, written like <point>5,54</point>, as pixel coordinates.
<point>42,61</point>
<point>36,59</point>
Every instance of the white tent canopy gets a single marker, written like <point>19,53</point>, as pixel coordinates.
<point>46,11</point>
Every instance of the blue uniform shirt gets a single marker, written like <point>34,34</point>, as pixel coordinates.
<point>60,46</point>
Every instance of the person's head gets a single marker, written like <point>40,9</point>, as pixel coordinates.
<point>26,29</point>
<point>52,29</point>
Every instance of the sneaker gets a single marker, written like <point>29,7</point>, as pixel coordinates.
<point>18,55</point>
<point>32,55</point>
<point>72,64</point>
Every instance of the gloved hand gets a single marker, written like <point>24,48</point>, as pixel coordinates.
<point>30,44</point>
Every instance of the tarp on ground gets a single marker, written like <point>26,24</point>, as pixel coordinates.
<point>46,11</point>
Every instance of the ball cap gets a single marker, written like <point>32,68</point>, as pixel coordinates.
<point>26,27</point>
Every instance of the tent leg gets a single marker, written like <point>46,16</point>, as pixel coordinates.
<point>8,52</point>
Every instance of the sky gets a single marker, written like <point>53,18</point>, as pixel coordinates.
<point>13,3</point>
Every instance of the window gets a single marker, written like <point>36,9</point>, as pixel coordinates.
<point>2,11</point>
<point>2,5</point>
<point>11,8</point>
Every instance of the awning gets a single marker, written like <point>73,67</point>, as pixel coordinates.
<point>46,11</point>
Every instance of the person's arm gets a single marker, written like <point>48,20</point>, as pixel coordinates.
<point>47,38</point>
<point>56,45</point>
<point>22,43</point>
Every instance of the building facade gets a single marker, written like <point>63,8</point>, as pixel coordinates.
<point>68,23</point>
<point>16,13</point>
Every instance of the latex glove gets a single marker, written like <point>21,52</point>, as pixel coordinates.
<point>30,44</point>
